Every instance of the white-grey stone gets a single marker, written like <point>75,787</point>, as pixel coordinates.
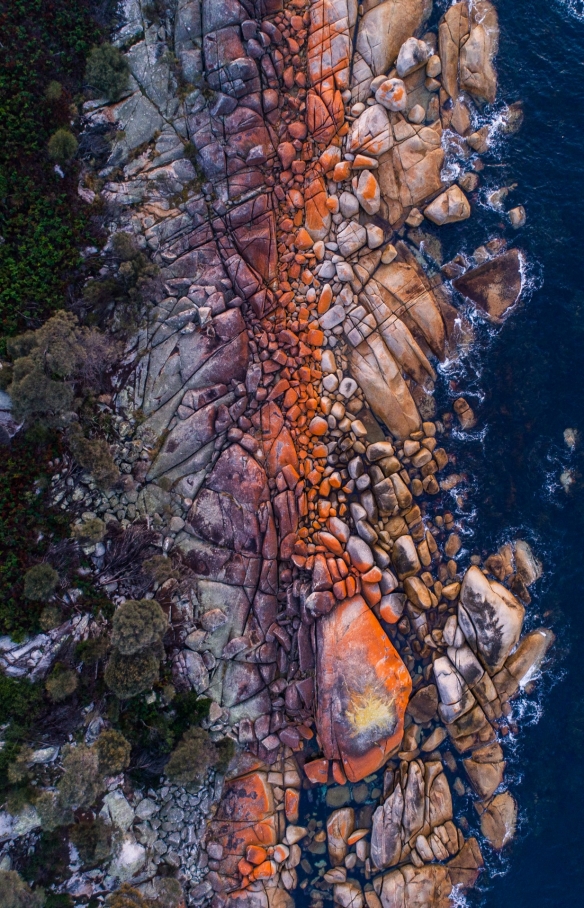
<point>348,204</point>
<point>130,859</point>
<point>120,812</point>
<point>412,55</point>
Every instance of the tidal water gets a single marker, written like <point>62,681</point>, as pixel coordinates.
<point>526,383</point>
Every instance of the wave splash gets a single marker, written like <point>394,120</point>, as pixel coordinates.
<point>574,8</point>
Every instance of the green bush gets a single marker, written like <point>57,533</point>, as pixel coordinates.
<point>61,683</point>
<point>40,582</point>
<point>28,526</point>
<point>138,624</point>
<point>126,897</point>
<point>53,91</point>
<point>92,651</point>
<point>191,759</point>
<point>90,531</point>
<point>52,812</point>
<point>95,456</point>
<point>128,676</point>
<point>107,72</point>
<point>113,751</point>
<point>15,893</point>
<point>62,146</point>
<point>93,841</point>
<point>80,784</point>
<point>160,568</point>
<point>124,246</point>
<point>225,751</point>
<point>19,770</point>
<point>51,363</point>
<point>50,618</point>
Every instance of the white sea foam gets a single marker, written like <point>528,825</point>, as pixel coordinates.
<point>458,898</point>
<point>574,8</point>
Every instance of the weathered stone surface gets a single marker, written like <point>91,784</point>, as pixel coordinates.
<point>491,618</point>
<point>477,73</point>
<point>499,819</point>
<point>362,689</point>
<point>412,55</point>
<point>464,869</point>
<point>423,705</point>
<point>371,133</point>
<point>494,286</point>
<point>392,95</point>
<point>452,32</point>
<point>383,30</point>
<point>409,295</point>
<point>339,826</point>
<point>417,887</point>
<point>387,394</point>
<point>451,206</point>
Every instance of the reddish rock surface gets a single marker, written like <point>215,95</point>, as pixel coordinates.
<point>362,689</point>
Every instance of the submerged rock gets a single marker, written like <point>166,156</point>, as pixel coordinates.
<point>494,286</point>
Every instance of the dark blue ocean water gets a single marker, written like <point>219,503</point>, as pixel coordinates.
<point>530,376</point>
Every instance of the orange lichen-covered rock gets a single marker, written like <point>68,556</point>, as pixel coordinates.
<point>256,854</point>
<point>291,804</point>
<point>247,798</point>
<point>317,771</point>
<point>265,871</point>
<point>246,823</point>
<point>276,441</point>
<point>324,113</point>
<point>303,239</point>
<point>318,217</point>
<point>362,689</point>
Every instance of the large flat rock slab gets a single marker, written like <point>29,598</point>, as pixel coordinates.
<point>363,689</point>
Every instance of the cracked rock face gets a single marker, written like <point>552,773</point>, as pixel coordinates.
<point>284,382</point>
<point>362,688</point>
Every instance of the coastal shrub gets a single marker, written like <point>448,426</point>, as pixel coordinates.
<point>53,91</point>
<point>36,396</point>
<point>90,531</point>
<point>128,676</point>
<point>191,759</point>
<point>138,624</point>
<point>62,146</point>
<point>44,221</point>
<point>169,892</point>
<point>124,246</point>
<point>53,362</point>
<point>80,783</point>
<point>16,893</point>
<point>94,455</point>
<point>160,568</point>
<point>19,769</point>
<point>52,812</point>
<point>113,752</point>
<point>107,72</point>
<point>61,683</point>
<point>225,751</point>
<point>29,526</point>
<point>126,897</point>
<point>93,841</point>
<point>92,651</point>
<point>50,618</point>
<point>40,581</point>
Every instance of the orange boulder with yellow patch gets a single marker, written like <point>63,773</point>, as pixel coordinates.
<point>363,689</point>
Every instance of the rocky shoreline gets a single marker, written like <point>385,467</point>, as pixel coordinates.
<point>284,166</point>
